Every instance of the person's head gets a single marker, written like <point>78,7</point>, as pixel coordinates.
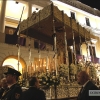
<point>34,82</point>
<point>12,75</point>
<point>4,83</point>
<point>82,77</point>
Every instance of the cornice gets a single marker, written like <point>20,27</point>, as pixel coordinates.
<point>82,6</point>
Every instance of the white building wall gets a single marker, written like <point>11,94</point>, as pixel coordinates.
<point>79,14</point>
<point>7,50</point>
<point>97,19</point>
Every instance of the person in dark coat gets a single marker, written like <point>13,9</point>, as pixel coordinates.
<point>4,86</point>
<point>33,93</point>
<point>84,80</point>
<point>14,91</point>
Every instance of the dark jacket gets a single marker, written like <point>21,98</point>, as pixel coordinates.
<point>84,94</point>
<point>14,93</point>
<point>1,91</point>
<point>33,94</point>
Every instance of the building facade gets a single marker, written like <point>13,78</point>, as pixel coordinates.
<point>27,51</point>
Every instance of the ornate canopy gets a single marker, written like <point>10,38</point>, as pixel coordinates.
<point>40,26</point>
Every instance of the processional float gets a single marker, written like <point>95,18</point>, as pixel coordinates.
<point>65,31</point>
<point>52,26</point>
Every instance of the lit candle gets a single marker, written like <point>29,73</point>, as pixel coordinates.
<point>55,43</point>
<point>50,93</point>
<point>39,60</point>
<point>22,73</point>
<point>56,65</point>
<point>47,63</point>
<point>50,64</point>
<point>34,66</point>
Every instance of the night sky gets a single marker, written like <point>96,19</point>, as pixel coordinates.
<point>92,3</point>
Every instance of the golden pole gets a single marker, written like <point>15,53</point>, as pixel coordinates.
<point>55,48</point>
<point>30,65</point>
<point>65,40</point>
<point>47,68</point>
<point>87,48</point>
<point>74,49</point>
<point>80,41</point>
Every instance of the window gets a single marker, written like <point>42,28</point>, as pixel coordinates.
<point>87,21</point>
<point>77,48</point>
<point>41,45</point>
<point>72,15</point>
<point>11,36</point>
<point>92,51</point>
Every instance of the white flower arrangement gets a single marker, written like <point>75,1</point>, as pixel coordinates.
<point>73,69</point>
<point>63,70</point>
<point>48,79</point>
<point>92,71</point>
<point>80,67</point>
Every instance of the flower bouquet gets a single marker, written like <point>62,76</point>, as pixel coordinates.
<point>92,71</point>
<point>48,79</point>
<point>63,70</point>
<point>73,69</point>
<point>80,67</point>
